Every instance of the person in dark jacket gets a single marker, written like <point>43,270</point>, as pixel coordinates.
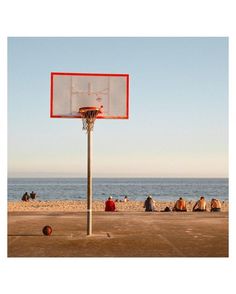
<point>149,204</point>
<point>32,195</point>
<point>25,197</point>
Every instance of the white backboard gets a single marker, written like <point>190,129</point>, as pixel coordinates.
<point>72,91</point>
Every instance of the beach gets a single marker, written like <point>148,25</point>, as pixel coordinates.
<point>81,206</point>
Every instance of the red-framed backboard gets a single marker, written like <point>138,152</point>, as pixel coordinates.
<point>72,91</point>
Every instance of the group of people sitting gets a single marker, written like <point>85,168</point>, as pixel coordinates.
<point>26,196</point>
<point>149,204</point>
<point>200,205</point>
<point>180,205</point>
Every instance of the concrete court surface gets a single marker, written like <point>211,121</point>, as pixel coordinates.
<point>119,234</point>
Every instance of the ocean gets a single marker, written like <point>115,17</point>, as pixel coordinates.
<point>162,189</point>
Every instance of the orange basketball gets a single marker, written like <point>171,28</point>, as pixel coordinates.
<point>47,230</point>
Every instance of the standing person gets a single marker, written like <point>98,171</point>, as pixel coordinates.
<point>110,204</point>
<point>215,205</point>
<point>200,205</point>
<point>149,204</point>
<point>25,197</point>
<point>180,205</point>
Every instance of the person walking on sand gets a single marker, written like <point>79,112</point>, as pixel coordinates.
<point>180,205</point>
<point>200,205</point>
<point>215,205</point>
<point>110,204</point>
<point>25,197</point>
<point>149,204</point>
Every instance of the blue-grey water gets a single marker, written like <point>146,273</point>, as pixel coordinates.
<point>134,188</point>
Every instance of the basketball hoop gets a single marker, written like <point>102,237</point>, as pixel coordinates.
<point>89,115</point>
<point>89,96</point>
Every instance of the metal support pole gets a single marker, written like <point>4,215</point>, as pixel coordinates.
<point>89,184</point>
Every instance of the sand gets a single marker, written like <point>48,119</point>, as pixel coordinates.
<point>80,206</point>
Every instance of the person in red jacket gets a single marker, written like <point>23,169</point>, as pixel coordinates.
<point>110,204</point>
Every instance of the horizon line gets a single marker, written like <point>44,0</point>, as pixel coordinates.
<point>118,177</point>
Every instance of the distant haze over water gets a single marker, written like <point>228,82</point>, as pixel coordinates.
<point>135,188</point>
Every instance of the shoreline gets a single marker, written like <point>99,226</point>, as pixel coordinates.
<point>98,205</point>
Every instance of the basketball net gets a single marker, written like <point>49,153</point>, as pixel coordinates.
<point>88,119</point>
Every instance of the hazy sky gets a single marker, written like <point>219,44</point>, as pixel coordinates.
<point>178,124</point>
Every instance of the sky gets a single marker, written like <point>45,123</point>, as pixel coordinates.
<point>178,124</point>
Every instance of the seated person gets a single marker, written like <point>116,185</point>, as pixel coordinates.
<point>32,195</point>
<point>149,204</point>
<point>25,197</point>
<point>180,205</point>
<point>110,204</point>
<point>200,205</point>
<point>215,205</point>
